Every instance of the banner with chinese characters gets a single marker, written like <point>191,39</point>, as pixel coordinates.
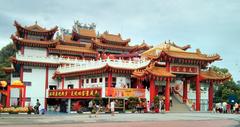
<point>126,92</point>
<point>184,69</point>
<point>75,93</point>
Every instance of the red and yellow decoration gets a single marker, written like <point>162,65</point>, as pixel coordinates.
<point>17,83</point>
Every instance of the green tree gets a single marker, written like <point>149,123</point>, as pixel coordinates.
<point>228,88</point>
<point>5,53</point>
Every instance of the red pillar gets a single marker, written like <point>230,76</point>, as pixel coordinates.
<point>167,95</point>
<point>210,96</point>
<point>109,83</point>
<point>185,96</point>
<point>20,97</point>
<point>62,82</point>
<point>24,96</point>
<point>198,93</point>
<point>46,87</point>
<point>152,90</point>
<point>8,96</point>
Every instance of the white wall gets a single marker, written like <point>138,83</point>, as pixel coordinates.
<point>74,81</point>
<point>37,89</point>
<point>51,72</point>
<point>34,51</point>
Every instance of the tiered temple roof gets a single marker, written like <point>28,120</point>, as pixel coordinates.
<point>32,43</point>
<point>35,30</point>
<point>176,54</point>
<point>210,74</point>
<point>152,71</point>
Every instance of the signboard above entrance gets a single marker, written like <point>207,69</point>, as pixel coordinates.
<point>184,69</point>
<point>75,93</point>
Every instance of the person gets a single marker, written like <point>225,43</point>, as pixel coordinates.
<point>98,108</point>
<point>112,106</point>
<point>41,110</point>
<point>171,104</point>
<point>224,105</point>
<point>236,108</point>
<point>160,105</point>
<point>90,107</point>
<point>36,107</point>
<point>148,106</point>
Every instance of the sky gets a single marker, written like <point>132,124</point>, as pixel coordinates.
<point>213,26</point>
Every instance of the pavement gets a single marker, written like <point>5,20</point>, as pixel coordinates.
<point>129,120</point>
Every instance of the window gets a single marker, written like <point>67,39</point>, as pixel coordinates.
<point>29,70</point>
<point>28,99</point>
<point>87,80</point>
<point>93,80</point>
<point>70,86</point>
<point>26,83</point>
<point>100,80</point>
<point>52,87</point>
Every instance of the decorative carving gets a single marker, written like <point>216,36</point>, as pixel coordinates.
<point>90,26</point>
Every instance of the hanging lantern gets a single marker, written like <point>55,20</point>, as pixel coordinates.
<point>3,83</point>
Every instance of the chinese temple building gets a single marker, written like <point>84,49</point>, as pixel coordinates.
<point>79,65</point>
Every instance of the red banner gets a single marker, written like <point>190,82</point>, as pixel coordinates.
<point>126,92</point>
<point>75,93</point>
<point>184,69</point>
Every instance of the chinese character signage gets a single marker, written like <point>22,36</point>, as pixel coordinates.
<point>184,69</point>
<point>75,93</point>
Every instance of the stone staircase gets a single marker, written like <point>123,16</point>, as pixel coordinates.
<point>178,106</point>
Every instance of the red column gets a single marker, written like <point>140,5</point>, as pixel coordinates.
<point>24,96</point>
<point>167,95</point>
<point>21,72</point>
<point>46,87</point>
<point>185,96</point>
<point>198,93</point>
<point>109,83</point>
<point>20,97</point>
<point>8,96</point>
<point>152,90</point>
<point>210,96</point>
<point>62,82</point>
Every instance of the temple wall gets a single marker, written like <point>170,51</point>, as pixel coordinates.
<point>51,72</point>
<point>37,88</point>
<point>73,81</point>
<point>35,51</point>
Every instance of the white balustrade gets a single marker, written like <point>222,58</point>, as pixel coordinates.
<point>80,65</point>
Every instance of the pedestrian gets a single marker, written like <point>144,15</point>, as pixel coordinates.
<point>112,105</point>
<point>90,107</point>
<point>148,106</point>
<point>160,105</point>
<point>98,108</point>
<point>171,103</point>
<point>36,107</point>
<point>236,108</point>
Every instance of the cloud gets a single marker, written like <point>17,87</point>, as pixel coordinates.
<point>213,26</point>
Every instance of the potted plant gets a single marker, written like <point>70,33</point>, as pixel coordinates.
<point>156,104</point>
<point>132,103</point>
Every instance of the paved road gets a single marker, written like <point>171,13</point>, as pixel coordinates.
<point>130,120</point>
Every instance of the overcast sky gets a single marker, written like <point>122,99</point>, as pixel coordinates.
<point>211,25</point>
